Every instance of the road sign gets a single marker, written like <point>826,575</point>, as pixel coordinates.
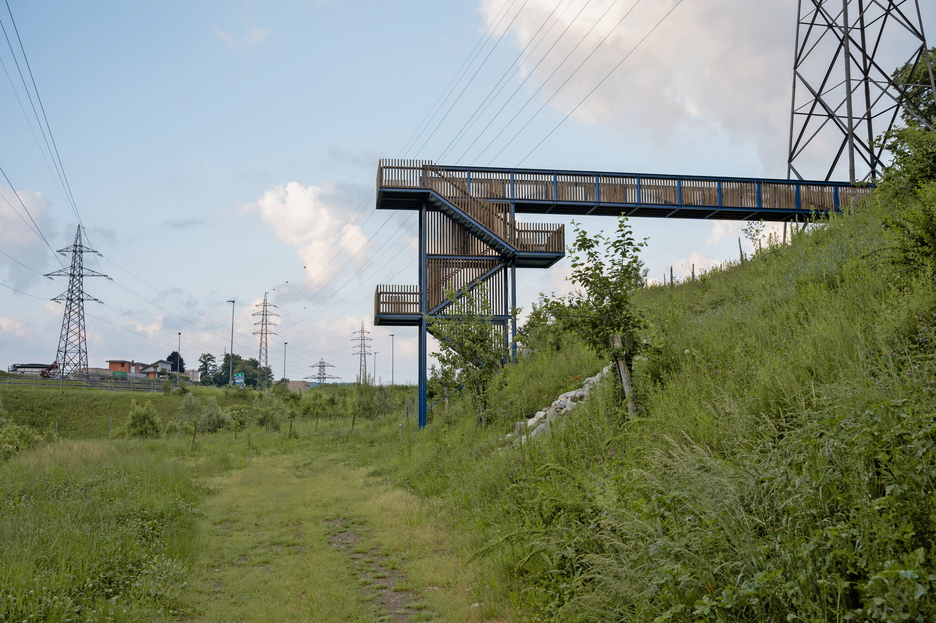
<point>239,379</point>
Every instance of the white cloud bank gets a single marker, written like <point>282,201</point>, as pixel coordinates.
<point>710,65</point>
<point>311,220</point>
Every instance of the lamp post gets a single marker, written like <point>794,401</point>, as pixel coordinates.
<point>391,359</point>
<point>284,361</point>
<point>178,363</point>
<point>231,376</point>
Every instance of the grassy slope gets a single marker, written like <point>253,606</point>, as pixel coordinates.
<point>87,414</point>
<point>782,465</point>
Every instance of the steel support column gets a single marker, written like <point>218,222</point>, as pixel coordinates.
<point>423,329</point>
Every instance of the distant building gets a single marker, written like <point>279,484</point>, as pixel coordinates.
<point>193,375</point>
<point>29,369</point>
<point>122,365</point>
<point>137,369</point>
<point>299,386</point>
<point>159,368</point>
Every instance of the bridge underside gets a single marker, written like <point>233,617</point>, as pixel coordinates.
<point>469,236</point>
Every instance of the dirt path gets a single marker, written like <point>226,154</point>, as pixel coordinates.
<point>305,537</point>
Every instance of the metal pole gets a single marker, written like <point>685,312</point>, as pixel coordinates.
<point>231,377</point>
<point>284,360</point>
<point>391,359</point>
<point>178,363</point>
<point>848,93</point>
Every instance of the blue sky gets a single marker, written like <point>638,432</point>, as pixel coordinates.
<point>220,150</point>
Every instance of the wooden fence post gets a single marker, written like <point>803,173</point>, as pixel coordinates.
<point>623,372</point>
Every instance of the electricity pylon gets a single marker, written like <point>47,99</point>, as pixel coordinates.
<point>321,377</point>
<point>264,332</point>
<point>72,353</point>
<point>843,98</point>
<point>362,352</point>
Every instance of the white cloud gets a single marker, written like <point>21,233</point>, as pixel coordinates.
<point>14,327</point>
<point>251,37</point>
<point>27,256</point>
<point>308,218</point>
<point>722,230</point>
<point>696,262</point>
<point>723,65</point>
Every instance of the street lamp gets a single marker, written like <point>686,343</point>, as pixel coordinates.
<point>178,363</point>
<point>231,377</point>
<point>391,359</point>
<point>284,361</point>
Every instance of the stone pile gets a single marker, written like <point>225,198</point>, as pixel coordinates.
<point>540,423</point>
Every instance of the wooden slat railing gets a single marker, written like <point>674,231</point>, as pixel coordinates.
<point>392,299</point>
<point>541,238</point>
<point>491,187</point>
<point>495,217</point>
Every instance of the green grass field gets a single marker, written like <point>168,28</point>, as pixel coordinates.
<point>781,467</point>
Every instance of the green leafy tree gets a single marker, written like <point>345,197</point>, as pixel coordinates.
<point>207,367</point>
<point>601,311</point>
<point>471,349</point>
<point>211,417</point>
<point>176,361</point>
<point>918,83</point>
<point>143,421</point>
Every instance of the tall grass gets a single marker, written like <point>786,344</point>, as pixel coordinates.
<point>781,466</point>
<point>94,531</point>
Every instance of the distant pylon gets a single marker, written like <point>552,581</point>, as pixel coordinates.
<point>362,352</point>
<point>321,377</point>
<point>264,332</point>
<point>843,99</point>
<point>72,353</point>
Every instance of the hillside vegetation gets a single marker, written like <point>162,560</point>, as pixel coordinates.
<point>781,466</point>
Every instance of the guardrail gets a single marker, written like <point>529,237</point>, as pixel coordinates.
<point>541,238</point>
<point>543,186</point>
<point>403,300</point>
<point>113,386</point>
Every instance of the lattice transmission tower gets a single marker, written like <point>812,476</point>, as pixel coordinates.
<point>321,377</point>
<point>362,351</point>
<point>844,96</point>
<point>264,332</point>
<point>72,353</point>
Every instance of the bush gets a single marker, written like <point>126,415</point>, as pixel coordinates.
<point>212,418</point>
<point>15,438</point>
<point>143,421</point>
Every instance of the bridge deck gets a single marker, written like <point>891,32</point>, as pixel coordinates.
<point>404,184</point>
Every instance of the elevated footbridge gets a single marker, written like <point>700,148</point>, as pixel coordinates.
<point>470,236</point>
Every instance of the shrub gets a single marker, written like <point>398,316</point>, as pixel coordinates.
<point>15,438</point>
<point>143,421</point>
<point>212,418</point>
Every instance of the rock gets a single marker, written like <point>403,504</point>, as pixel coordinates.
<point>540,430</point>
<point>518,427</point>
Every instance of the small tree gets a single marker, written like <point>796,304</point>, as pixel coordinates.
<point>471,348</point>
<point>143,421</point>
<point>601,312</point>
<point>212,418</point>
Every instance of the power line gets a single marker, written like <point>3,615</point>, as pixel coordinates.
<point>558,67</point>
<point>478,111</point>
<point>528,76</point>
<point>460,73</point>
<point>467,84</point>
<point>56,159</point>
<point>35,227</point>
<point>608,75</point>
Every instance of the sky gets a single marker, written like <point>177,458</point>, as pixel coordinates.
<point>224,150</point>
